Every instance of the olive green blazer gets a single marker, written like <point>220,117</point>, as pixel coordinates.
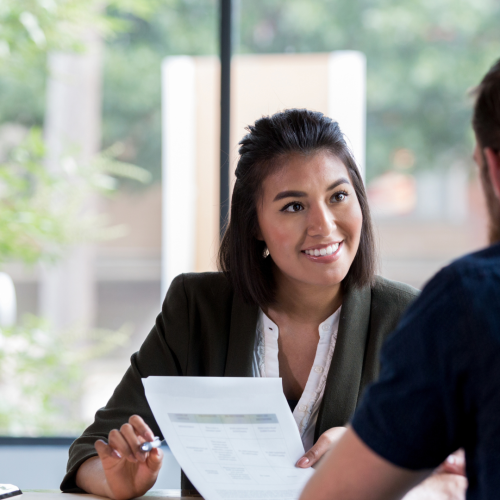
<point>205,329</point>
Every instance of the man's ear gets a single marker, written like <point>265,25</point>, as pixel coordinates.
<point>493,161</point>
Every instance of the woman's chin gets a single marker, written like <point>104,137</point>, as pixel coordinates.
<point>320,279</point>
<point>312,271</point>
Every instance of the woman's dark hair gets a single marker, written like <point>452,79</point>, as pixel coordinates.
<point>486,117</point>
<point>262,151</point>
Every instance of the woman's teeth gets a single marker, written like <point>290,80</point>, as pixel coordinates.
<point>323,251</point>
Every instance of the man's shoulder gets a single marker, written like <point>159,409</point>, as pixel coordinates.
<point>478,271</point>
<point>477,281</point>
<point>463,296</point>
<point>487,258</point>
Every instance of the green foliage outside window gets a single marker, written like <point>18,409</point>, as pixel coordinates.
<point>41,375</point>
<point>44,212</point>
<point>422,56</point>
<point>41,216</point>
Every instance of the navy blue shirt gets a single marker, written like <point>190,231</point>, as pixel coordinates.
<point>439,386</point>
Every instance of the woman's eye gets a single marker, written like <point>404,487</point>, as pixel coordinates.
<point>293,207</point>
<point>340,196</point>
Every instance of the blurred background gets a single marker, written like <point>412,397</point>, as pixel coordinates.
<point>81,161</point>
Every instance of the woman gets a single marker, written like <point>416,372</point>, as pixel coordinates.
<point>296,298</point>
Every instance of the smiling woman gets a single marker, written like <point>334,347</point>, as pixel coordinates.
<point>297,298</point>
<point>282,155</point>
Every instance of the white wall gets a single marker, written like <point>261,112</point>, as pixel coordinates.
<point>178,168</point>
<point>347,99</point>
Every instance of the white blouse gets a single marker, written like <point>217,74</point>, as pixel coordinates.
<point>265,364</point>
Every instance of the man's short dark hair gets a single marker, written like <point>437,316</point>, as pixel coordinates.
<point>270,141</point>
<point>486,124</point>
<point>486,117</point>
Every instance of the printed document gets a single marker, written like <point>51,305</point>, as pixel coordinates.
<point>235,438</point>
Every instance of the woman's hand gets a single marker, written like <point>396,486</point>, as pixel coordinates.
<point>122,471</point>
<point>439,486</point>
<point>322,445</point>
<point>448,482</point>
<point>129,471</point>
<point>454,464</point>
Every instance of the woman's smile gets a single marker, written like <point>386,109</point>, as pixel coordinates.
<point>324,254</point>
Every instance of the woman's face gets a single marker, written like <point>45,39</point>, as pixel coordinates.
<point>310,219</point>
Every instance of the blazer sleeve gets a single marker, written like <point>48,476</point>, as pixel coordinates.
<point>164,352</point>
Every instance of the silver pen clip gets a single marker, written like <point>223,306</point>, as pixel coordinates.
<point>149,445</point>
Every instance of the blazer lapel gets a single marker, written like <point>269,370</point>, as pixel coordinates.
<point>344,377</point>
<point>241,339</point>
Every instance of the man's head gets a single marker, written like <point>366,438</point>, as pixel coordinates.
<point>486,124</point>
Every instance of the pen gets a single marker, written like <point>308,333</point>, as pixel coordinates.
<point>148,446</point>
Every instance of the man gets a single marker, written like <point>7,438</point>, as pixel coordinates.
<point>439,388</point>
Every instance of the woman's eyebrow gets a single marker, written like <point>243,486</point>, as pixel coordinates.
<point>338,182</point>
<point>289,194</point>
<point>301,194</point>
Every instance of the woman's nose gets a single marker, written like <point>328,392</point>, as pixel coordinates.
<point>321,221</point>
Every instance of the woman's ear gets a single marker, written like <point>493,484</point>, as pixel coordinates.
<point>493,161</point>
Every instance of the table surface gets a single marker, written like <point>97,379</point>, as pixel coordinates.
<point>56,495</point>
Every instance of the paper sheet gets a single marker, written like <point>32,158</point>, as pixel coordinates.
<point>235,438</point>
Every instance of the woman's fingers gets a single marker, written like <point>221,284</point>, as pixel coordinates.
<point>454,464</point>
<point>312,456</point>
<point>141,428</point>
<point>126,442</point>
<point>322,445</point>
<point>118,442</point>
<point>155,459</point>
<point>105,451</point>
<point>134,441</point>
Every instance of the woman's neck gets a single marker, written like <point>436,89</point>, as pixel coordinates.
<point>305,303</point>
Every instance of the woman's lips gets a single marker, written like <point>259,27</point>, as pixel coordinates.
<point>323,250</point>
<point>324,255</point>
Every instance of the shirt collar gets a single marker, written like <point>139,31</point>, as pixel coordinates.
<point>270,329</point>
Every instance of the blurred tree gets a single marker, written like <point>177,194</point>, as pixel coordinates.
<point>30,29</point>
<point>422,56</point>
<point>42,213</point>
<point>41,389</point>
<point>36,222</point>
<point>132,103</point>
